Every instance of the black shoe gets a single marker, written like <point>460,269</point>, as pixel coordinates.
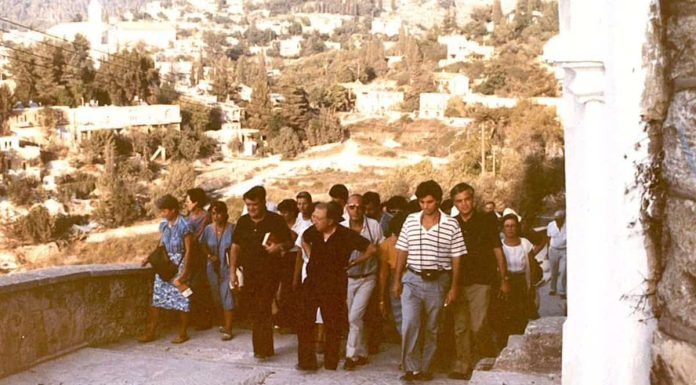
<point>360,361</point>
<point>349,364</point>
<point>459,376</point>
<point>408,376</point>
<point>311,368</point>
<point>424,376</point>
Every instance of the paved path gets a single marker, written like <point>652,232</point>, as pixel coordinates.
<point>205,359</point>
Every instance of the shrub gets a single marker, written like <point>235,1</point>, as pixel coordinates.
<point>24,191</point>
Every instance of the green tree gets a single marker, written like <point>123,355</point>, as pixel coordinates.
<point>35,227</point>
<point>324,129</point>
<point>117,205</point>
<point>51,69</point>
<point>295,109</point>
<point>180,177</point>
<point>223,83</point>
<point>24,72</point>
<point>128,76</point>
<point>497,13</point>
<point>260,107</point>
<point>7,102</point>
<point>286,142</point>
<point>79,74</point>
<point>336,98</point>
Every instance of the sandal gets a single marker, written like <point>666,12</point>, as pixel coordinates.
<point>180,339</point>
<point>226,336</point>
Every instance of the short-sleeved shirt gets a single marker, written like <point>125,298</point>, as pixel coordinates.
<point>557,236</point>
<point>481,236</point>
<point>372,231</point>
<point>431,249</point>
<point>326,270</point>
<point>173,235</point>
<point>249,236</point>
<point>517,256</point>
<point>218,246</point>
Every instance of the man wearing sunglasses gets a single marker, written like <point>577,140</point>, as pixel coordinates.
<point>362,279</point>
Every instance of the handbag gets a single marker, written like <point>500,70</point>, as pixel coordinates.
<point>535,272</point>
<point>162,265</point>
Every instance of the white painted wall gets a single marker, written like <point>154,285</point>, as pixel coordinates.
<point>606,341</point>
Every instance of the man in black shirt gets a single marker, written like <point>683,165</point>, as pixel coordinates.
<point>484,268</point>
<point>258,242</point>
<point>329,247</point>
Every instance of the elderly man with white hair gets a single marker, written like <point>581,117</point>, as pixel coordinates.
<point>556,232</point>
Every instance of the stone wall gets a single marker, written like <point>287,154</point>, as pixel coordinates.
<point>49,312</point>
<point>674,345</point>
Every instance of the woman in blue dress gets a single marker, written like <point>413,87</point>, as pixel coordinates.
<point>177,238</point>
<point>216,240</point>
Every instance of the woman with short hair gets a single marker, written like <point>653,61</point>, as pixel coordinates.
<point>216,241</point>
<point>177,238</point>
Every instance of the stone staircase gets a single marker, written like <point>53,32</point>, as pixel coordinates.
<point>533,358</point>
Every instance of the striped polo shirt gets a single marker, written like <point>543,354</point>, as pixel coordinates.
<point>431,249</point>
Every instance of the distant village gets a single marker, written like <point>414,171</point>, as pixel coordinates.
<point>181,37</point>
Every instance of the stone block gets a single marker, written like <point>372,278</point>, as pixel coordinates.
<point>680,36</point>
<point>680,144</point>
<point>673,361</point>
<point>538,350</point>
<point>513,378</point>
<point>677,287</point>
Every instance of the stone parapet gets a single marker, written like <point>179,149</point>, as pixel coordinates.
<point>49,312</point>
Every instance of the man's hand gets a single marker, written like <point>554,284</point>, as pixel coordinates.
<point>234,281</point>
<point>397,287</point>
<point>272,248</point>
<point>451,296</point>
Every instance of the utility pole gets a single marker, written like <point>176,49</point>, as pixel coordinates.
<point>483,150</point>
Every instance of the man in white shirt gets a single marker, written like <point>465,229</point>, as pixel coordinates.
<point>556,232</point>
<point>429,250</point>
<point>362,280</point>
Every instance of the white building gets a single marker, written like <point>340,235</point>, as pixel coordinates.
<point>332,45</point>
<point>323,23</point>
<point>180,70</point>
<point>245,92</point>
<point>109,37</point>
<point>388,26</point>
<point>280,27</point>
<point>433,105</point>
<point>376,102</point>
<point>291,47</point>
<point>455,84</point>
<point>460,49</point>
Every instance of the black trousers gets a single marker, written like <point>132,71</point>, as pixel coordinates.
<point>335,316</point>
<point>261,286</point>
<point>287,315</point>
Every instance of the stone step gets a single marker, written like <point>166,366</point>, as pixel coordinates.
<point>538,350</point>
<point>495,377</point>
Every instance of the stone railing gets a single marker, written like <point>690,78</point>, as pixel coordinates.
<point>50,312</point>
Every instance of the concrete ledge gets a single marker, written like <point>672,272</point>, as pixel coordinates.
<point>49,312</point>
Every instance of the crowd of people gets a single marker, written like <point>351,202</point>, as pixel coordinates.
<point>452,281</point>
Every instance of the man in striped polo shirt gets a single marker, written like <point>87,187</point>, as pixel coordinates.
<point>430,247</point>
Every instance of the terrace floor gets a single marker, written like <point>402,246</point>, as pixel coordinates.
<point>205,359</point>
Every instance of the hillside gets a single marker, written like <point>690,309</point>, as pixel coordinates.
<point>45,13</point>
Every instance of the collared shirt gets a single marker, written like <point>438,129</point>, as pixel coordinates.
<point>557,236</point>
<point>329,258</point>
<point>372,231</point>
<point>431,249</point>
<point>173,235</point>
<point>249,236</point>
<point>481,236</point>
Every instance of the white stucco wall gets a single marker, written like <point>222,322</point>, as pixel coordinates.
<point>606,340</point>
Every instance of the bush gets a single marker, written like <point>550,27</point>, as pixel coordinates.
<point>24,191</point>
<point>287,143</point>
<point>79,186</point>
<point>181,176</point>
